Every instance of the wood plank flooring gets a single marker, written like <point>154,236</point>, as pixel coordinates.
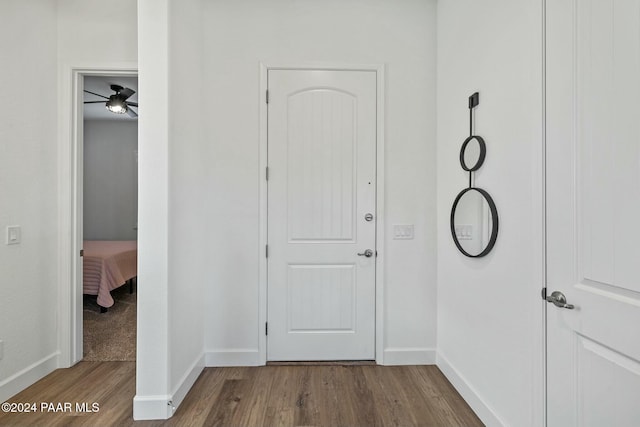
<point>332,395</point>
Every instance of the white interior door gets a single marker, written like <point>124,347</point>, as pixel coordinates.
<point>322,185</point>
<point>593,204</point>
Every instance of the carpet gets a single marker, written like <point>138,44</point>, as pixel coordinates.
<point>110,336</point>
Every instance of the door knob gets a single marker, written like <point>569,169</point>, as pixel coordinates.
<point>559,300</point>
<point>368,253</point>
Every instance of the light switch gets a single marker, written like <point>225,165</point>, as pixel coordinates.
<point>403,231</point>
<point>14,233</point>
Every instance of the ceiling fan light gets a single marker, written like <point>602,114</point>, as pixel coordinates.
<point>116,105</point>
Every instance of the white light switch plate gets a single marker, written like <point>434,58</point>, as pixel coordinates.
<point>14,234</point>
<point>403,231</point>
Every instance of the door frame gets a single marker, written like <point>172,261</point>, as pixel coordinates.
<point>70,179</point>
<point>380,184</point>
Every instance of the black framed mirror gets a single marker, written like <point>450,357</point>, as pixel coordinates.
<point>472,153</point>
<point>474,222</point>
<point>474,216</point>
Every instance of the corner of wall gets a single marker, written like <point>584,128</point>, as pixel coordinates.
<point>162,407</point>
<point>29,375</point>
<point>158,407</point>
<point>486,414</point>
<point>233,357</point>
<point>409,356</point>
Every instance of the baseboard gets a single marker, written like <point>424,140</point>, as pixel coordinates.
<point>233,357</point>
<point>162,407</point>
<point>409,356</point>
<point>468,393</point>
<point>28,376</point>
<point>187,382</point>
<point>152,407</point>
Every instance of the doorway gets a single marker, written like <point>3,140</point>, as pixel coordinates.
<point>322,214</point>
<point>109,217</point>
<point>72,214</point>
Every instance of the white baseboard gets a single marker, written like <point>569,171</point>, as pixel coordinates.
<point>152,407</point>
<point>29,375</point>
<point>233,357</point>
<point>187,382</point>
<point>468,393</point>
<point>162,407</point>
<point>409,356</point>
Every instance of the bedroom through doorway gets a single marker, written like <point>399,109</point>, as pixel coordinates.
<point>107,216</point>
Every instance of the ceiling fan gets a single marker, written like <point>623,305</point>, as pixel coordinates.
<point>117,103</point>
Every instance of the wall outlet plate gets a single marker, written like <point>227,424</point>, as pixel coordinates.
<point>403,231</point>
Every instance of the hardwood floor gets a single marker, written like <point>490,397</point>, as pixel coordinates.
<point>333,395</point>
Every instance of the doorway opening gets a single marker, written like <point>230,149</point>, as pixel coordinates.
<point>105,221</point>
<point>110,205</point>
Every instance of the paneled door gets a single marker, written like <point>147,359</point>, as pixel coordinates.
<point>593,209</point>
<point>321,215</point>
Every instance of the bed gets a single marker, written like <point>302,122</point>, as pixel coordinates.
<point>108,264</point>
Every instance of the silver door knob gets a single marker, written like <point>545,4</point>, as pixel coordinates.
<point>559,300</point>
<point>368,253</point>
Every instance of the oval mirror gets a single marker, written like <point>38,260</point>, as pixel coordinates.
<point>472,153</point>
<point>474,222</point>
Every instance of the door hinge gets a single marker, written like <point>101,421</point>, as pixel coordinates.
<point>266,251</point>
<point>266,173</point>
<point>81,252</point>
<point>267,96</point>
<point>544,293</point>
<point>266,328</point>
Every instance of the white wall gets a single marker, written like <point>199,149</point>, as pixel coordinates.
<point>188,221</point>
<point>110,180</point>
<point>36,177</point>
<point>489,309</point>
<point>240,35</point>
<point>28,176</point>
<point>173,260</point>
<point>95,32</point>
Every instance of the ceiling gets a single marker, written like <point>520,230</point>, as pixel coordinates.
<point>101,85</point>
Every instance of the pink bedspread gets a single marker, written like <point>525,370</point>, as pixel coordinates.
<point>108,264</point>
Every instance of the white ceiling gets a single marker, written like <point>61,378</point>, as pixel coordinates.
<point>101,85</point>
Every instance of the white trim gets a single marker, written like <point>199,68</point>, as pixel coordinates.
<point>380,212</point>
<point>28,376</point>
<point>233,357</point>
<point>262,282</point>
<point>486,414</point>
<point>539,389</point>
<point>187,381</point>
<point>70,204</point>
<point>380,190</point>
<point>409,356</point>
<point>156,407</point>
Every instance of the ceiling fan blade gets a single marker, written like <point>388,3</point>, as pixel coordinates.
<point>94,102</point>
<point>126,92</point>
<point>131,113</point>
<point>97,94</point>
<point>132,104</point>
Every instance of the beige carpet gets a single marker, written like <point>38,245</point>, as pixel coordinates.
<point>110,336</point>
